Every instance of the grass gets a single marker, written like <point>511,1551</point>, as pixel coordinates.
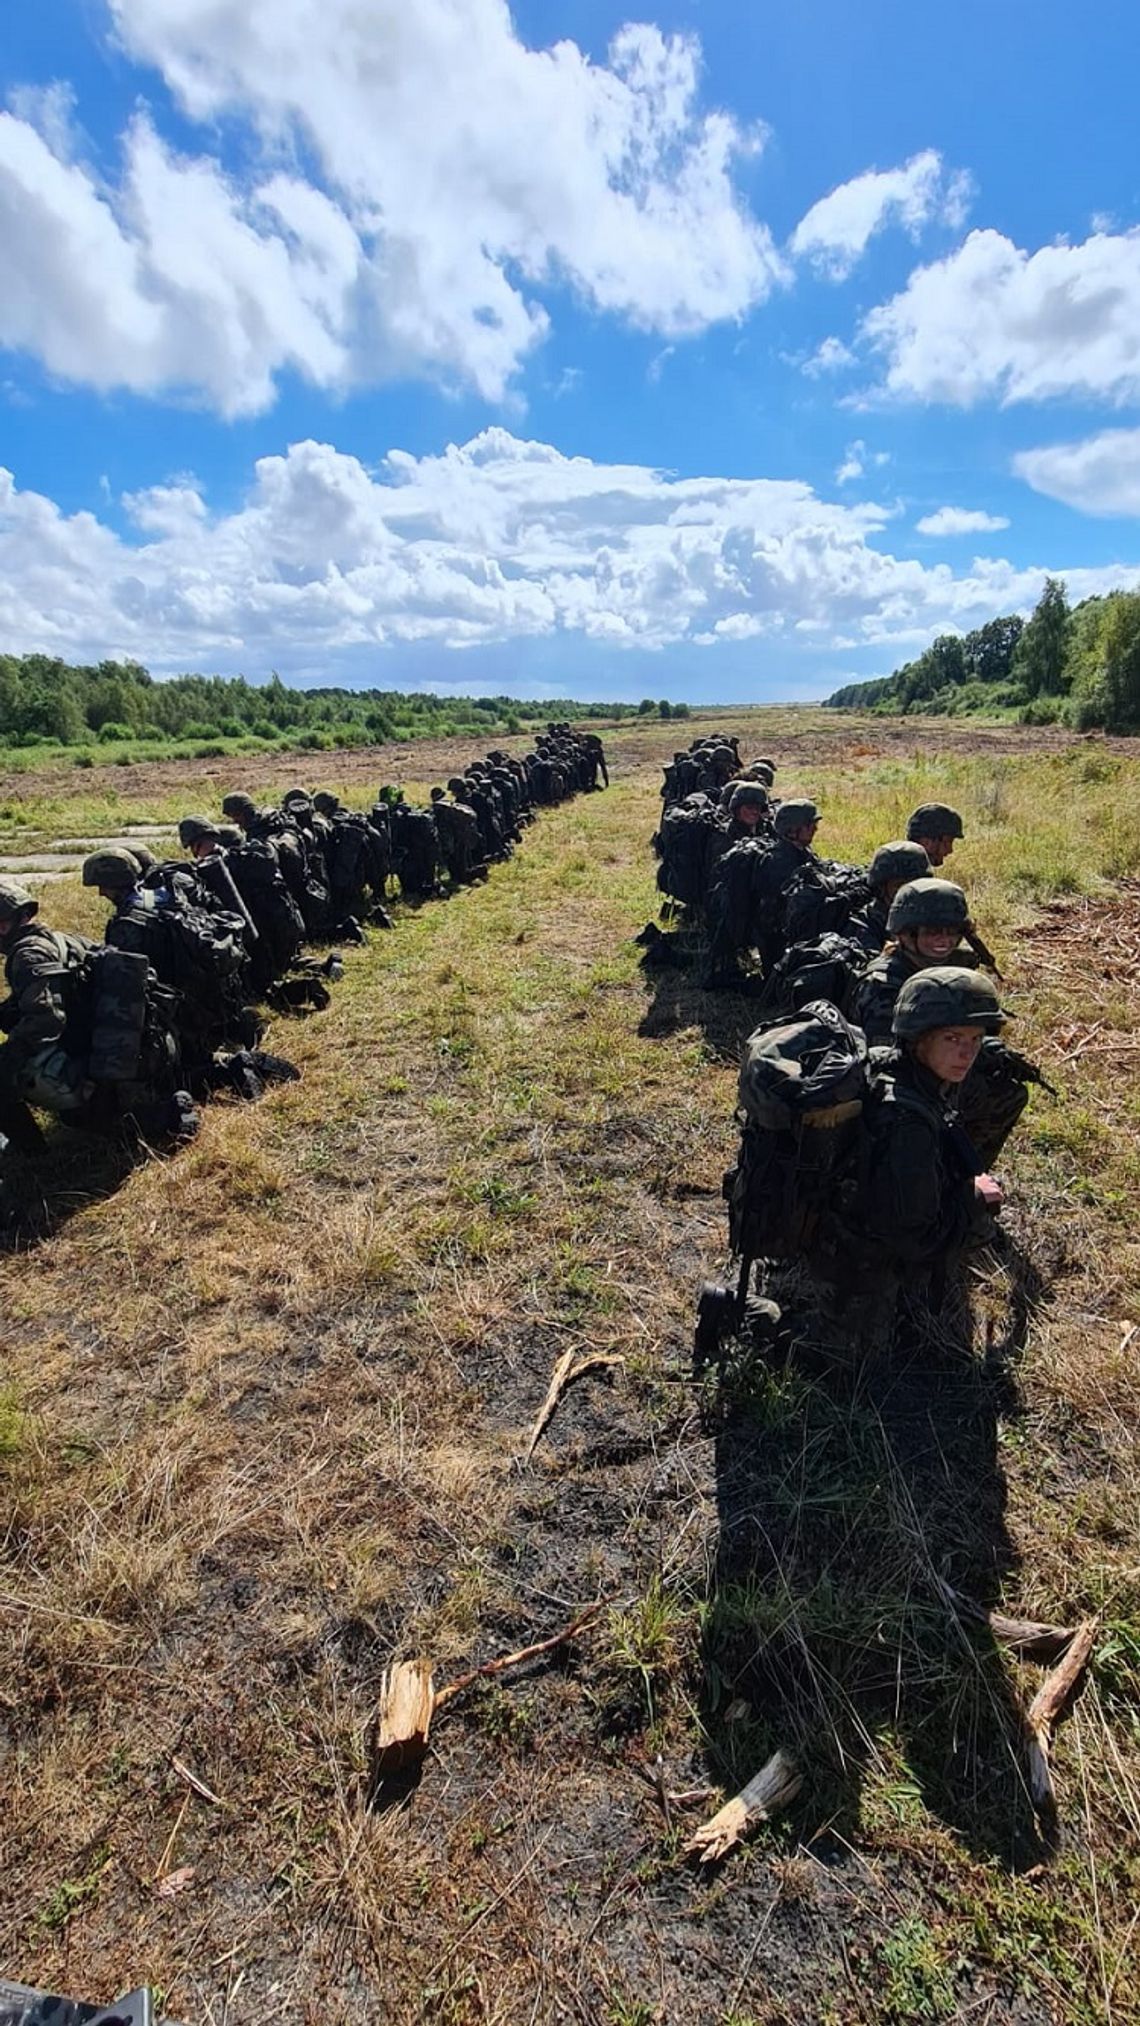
<point>261,1408</point>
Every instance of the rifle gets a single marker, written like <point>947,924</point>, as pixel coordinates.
<point>1029,1072</point>
<point>982,952</point>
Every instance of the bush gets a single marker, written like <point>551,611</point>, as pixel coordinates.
<point>84,760</point>
<point>314,742</point>
<point>113,733</point>
<point>212,749</point>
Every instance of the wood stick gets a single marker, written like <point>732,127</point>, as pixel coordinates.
<point>1048,1705</point>
<point>769,1790</point>
<point>407,1703</point>
<point>200,1788</point>
<point>491,1667</point>
<point>564,1374</point>
<point>1029,1639</point>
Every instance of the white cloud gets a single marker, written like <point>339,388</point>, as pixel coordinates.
<point>832,356</point>
<point>1100,475</point>
<point>326,563</point>
<point>853,463</point>
<point>992,321</point>
<point>950,520</point>
<point>835,233</point>
<point>422,176</point>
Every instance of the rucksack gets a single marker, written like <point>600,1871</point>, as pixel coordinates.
<point>825,968</point>
<point>256,873</point>
<point>121,1023</point>
<point>803,1085</point>
<point>822,900</point>
<point>742,912</point>
<point>683,841</point>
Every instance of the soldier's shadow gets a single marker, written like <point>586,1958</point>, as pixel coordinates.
<point>679,998</point>
<point>75,1169</point>
<point>846,1497</point>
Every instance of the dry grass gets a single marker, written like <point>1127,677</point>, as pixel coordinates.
<point>262,1404</point>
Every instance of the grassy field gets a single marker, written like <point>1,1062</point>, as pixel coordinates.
<point>261,1409</point>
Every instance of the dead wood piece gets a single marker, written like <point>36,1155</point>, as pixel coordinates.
<point>403,1720</point>
<point>774,1787</point>
<point>565,1372</point>
<point>186,1773</point>
<point>516,1659</point>
<point>1027,1638</point>
<point>1048,1706</point>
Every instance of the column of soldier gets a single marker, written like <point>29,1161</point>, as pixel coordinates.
<point>880,1019</point>
<point>133,1033</point>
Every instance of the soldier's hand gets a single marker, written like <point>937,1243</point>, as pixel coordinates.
<point>989,1192</point>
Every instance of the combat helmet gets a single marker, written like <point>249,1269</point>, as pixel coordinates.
<point>794,816</point>
<point>229,834</point>
<point>928,904</point>
<point>753,792</point>
<point>326,802</point>
<point>898,863</point>
<point>195,829</point>
<point>14,899</point>
<point>934,819</point>
<point>239,805</point>
<point>114,867</point>
<point>946,995</point>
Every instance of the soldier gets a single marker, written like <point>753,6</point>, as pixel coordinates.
<point>893,866</point>
<point>199,836</point>
<point>458,829</point>
<point>927,919</point>
<point>935,827</point>
<point>48,1057</point>
<point>924,1198</point>
<point>747,897</point>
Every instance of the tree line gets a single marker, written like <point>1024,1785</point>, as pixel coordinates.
<point>1069,665</point>
<point>45,701</point>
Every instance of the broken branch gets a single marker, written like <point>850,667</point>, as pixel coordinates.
<point>1027,1638</point>
<point>1048,1705</point>
<point>769,1790</point>
<point>407,1703</point>
<point>564,1374</point>
<point>516,1659</point>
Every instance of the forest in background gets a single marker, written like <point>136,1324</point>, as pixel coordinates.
<point>1066,665</point>
<point>119,705</point>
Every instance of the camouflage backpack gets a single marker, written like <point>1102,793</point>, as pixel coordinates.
<point>826,967</point>
<point>803,1085</point>
<point>822,900</point>
<point>683,842</point>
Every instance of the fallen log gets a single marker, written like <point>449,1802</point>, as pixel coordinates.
<point>1026,1637</point>
<point>564,1374</point>
<point>403,1720</point>
<point>1048,1705</point>
<point>774,1787</point>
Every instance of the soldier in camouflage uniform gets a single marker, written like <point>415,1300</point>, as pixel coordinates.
<point>927,919</point>
<point>892,866</point>
<point>935,827</point>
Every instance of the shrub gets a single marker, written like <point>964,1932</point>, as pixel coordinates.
<point>114,733</point>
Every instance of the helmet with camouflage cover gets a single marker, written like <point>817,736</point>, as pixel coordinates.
<point>934,819</point>
<point>240,806</point>
<point>297,798</point>
<point>946,995</point>
<point>14,898</point>
<point>796,815</point>
<point>751,792</point>
<point>114,867</point>
<point>761,770</point>
<point>196,830</point>
<point>898,863</point>
<point>230,834</point>
<point>928,904</point>
<point>326,802</point>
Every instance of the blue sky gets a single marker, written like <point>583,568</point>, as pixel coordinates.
<point>703,350</point>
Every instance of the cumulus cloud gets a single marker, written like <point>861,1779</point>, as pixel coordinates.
<point>992,321</point>
<point>835,233</point>
<point>950,520</point>
<point>1100,475</point>
<point>856,459</point>
<point>423,175</point>
<point>325,563</point>
<point>832,356</point>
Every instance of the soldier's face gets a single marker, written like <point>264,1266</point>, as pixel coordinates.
<point>936,944</point>
<point>937,849</point>
<point>949,1053</point>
